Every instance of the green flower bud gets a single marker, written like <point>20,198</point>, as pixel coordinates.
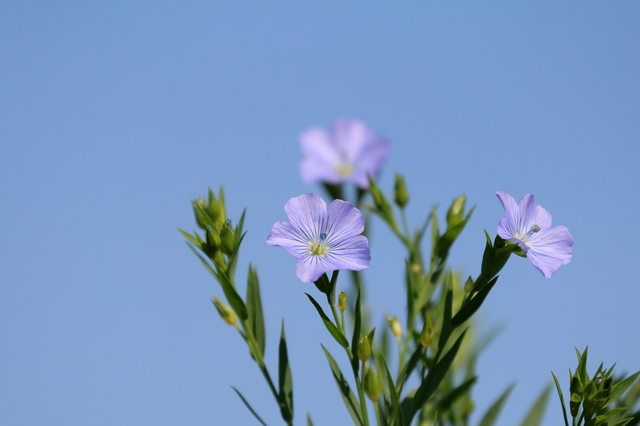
<point>226,313</point>
<point>213,241</point>
<point>426,337</point>
<point>364,349</point>
<point>455,214</point>
<point>342,301</point>
<point>396,328</point>
<point>400,192</point>
<point>468,285</point>
<point>372,384</point>
<point>574,404</point>
<point>228,239</point>
<point>576,385</point>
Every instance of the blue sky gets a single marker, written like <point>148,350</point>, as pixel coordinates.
<point>113,116</point>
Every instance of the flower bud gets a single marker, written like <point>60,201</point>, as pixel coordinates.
<point>468,285</point>
<point>364,349</point>
<point>426,337</point>
<point>372,384</point>
<point>396,328</point>
<point>227,239</point>
<point>455,213</point>
<point>400,192</point>
<point>342,301</point>
<point>226,313</point>
<point>213,240</point>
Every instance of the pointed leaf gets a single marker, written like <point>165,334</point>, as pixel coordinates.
<point>254,309</point>
<point>608,414</point>
<point>472,305</point>
<point>396,408</point>
<point>535,415</point>
<point>434,377</point>
<point>193,240</point>
<point>619,388</point>
<point>564,408</point>
<point>356,336</point>
<point>350,400</point>
<point>284,379</point>
<point>249,407</point>
<point>446,319</point>
<point>493,412</point>
<point>335,332</point>
<point>309,422</point>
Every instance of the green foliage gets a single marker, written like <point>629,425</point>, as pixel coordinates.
<point>590,396</point>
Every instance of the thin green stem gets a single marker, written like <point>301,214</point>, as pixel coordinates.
<point>363,398</point>
<point>377,408</point>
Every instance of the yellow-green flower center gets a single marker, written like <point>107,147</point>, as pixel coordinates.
<point>319,247</point>
<point>344,169</point>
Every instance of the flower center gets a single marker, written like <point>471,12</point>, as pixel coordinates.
<point>344,169</point>
<point>525,238</point>
<point>319,247</point>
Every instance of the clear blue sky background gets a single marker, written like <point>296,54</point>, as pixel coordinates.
<point>113,116</point>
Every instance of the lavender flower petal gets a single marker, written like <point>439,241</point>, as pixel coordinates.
<point>322,238</point>
<point>529,225</point>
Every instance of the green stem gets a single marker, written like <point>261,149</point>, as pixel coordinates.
<point>363,398</point>
<point>377,408</point>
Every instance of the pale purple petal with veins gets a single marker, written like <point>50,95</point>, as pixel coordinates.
<point>529,225</point>
<point>322,238</point>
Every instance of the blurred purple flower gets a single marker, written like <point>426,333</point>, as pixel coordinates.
<point>322,238</point>
<point>529,225</point>
<point>347,154</point>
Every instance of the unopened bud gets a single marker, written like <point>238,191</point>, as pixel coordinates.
<point>396,328</point>
<point>400,192</point>
<point>226,313</point>
<point>426,337</point>
<point>372,384</point>
<point>364,349</point>
<point>456,211</point>
<point>468,285</point>
<point>342,301</point>
<point>227,239</point>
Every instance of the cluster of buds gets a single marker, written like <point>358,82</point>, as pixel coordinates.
<point>591,395</point>
<point>220,237</point>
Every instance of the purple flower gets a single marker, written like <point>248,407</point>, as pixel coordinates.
<point>322,238</point>
<point>529,225</point>
<point>347,154</point>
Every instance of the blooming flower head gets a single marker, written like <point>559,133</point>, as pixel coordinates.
<point>346,154</point>
<point>529,225</point>
<point>322,238</point>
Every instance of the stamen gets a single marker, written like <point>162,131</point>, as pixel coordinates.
<point>535,228</point>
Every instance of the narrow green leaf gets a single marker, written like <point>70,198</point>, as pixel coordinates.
<point>204,262</point>
<point>472,305</point>
<point>564,408</point>
<point>355,339</point>
<point>447,400</point>
<point>254,309</point>
<point>434,377</point>
<point>493,412</point>
<point>409,367</point>
<point>232,296</point>
<point>249,407</point>
<point>608,414</point>
<point>534,417</point>
<point>309,422</point>
<point>193,240</point>
<point>446,318</point>
<point>396,408</point>
<point>284,379</point>
<point>619,388</point>
<point>622,422</point>
<point>448,238</point>
<point>350,400</point>
<point>335,332</point>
